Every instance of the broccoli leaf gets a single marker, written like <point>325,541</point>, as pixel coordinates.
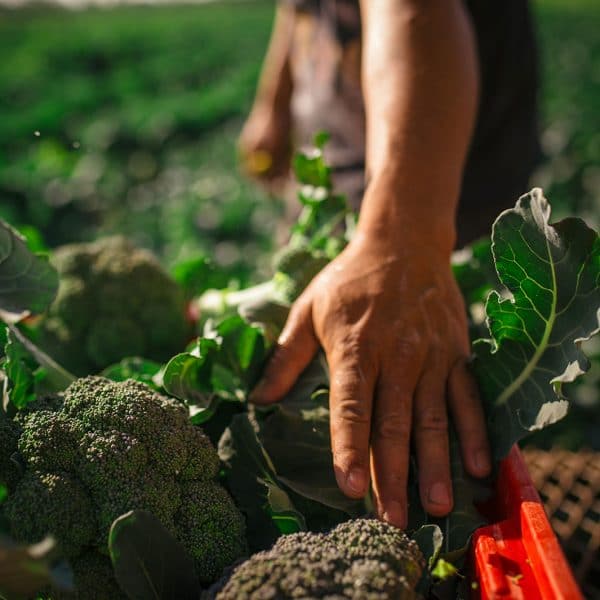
<point>187,376</point>
<point>295,433</point>
<point>253,482</point>
<point>224,364</point>
<point>148,561</point>
<point>28,282</point>
<point>134,367</point>
<point>552,273</point>
<point>29,370</point>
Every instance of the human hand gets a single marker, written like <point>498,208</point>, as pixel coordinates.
<point>264,143</point>
<point>393,326</point>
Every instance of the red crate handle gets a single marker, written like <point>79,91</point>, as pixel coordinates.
<point>518,556</point>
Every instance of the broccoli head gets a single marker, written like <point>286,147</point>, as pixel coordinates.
<point>9,436</point>
<point>360,559</point>
<point>114,300</point>
<point>103,448</point>
<point>93,579</point>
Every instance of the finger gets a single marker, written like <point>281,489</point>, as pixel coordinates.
<point>390,445</point>
<point>350,402</point>
<point>469,419</point>
<point>295,348</point>
<point>430,430</point>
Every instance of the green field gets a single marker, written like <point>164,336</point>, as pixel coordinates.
<point>137,110</point>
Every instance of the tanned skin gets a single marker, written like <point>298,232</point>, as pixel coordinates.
<point>387,311</point>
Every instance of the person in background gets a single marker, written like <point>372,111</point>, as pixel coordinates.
<point>431,108</point>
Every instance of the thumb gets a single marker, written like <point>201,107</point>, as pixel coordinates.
<point>295,348</point>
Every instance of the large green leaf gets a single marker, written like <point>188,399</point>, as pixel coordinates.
<point>224,364</point>
<point>149,563</point>
<point>28,282</point>
<point>296,435</point>
<point>253,482</point>
<point>552,274</point>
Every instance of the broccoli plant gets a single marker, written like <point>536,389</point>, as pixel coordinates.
<point>103,448</point>
<point>114,301</point>
<point>361,558</point>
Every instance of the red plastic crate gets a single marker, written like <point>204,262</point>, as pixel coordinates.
<point>518,556</point>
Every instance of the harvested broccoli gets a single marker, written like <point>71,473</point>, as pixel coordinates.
<point>93,579</point>
<point>103,448</point>
<point>360,559</point>
<point>114,301</point>
<point>9,436</point>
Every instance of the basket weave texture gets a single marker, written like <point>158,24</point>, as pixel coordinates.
<point>569,486</point>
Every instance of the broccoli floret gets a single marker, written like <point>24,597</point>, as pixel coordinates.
<point>50,441</point>
<point>9,436</point>
<point>103,448</point>
<point>93,579</point>
<point>114,300</point>
<point>359,559</point>
<point>208,514</point>
<point>45,503</point>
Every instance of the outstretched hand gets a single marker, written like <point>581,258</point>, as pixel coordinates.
<point>393,327</point>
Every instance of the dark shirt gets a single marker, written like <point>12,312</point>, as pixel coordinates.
<point>504,147</point>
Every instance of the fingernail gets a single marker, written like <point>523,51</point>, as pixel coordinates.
<point>357,481</point>
<point>439,494</point>
<point>394,514</point>
<point>481,461</point>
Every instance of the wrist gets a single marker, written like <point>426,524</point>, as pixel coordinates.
<point>395,214</point>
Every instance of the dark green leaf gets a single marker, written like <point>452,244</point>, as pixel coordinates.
<point>252,480</point>
<point>140,369</point>
<point>149,563</point>
<point>28,283</point>
<point>552,273</point>
<point>30,370</point>
<point>430,539</point>
<point>187,376</point>
<point>295,433</point>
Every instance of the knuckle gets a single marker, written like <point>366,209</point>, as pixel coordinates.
<point>351,411</point>
<point>432,420</point>
<point>392,428</point>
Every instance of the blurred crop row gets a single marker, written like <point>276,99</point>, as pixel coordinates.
<point>124,120</point>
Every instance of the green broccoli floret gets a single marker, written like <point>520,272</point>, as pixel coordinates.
<point>207,513</point>
<point>9,436</point>
<point>360,559</point>
<point>114,300</point>
<point>45,503</point>
<point>93,579</point>
<point>103,448</point>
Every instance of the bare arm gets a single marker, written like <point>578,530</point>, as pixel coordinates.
<point>387,311</point>
<point>265,139</point>
<point>420,85</point>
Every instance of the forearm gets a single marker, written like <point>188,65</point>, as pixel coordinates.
<point>420,82</point>
<point>275,84</point>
